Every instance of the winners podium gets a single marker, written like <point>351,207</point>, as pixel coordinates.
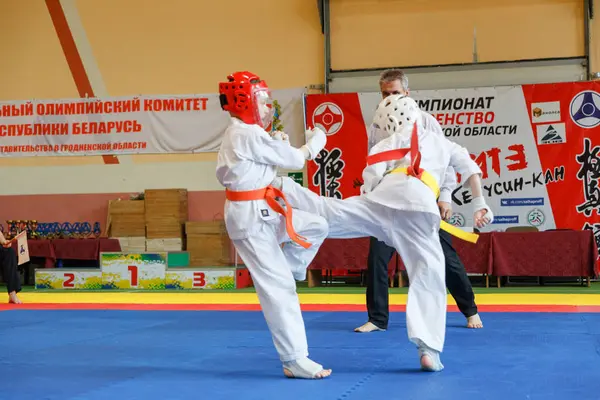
<point>141,271</point>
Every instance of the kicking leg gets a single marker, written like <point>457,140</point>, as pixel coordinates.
<point>276,290</point>
<point>351,218</point>
<point>418,243</point>
<point>312,227</point>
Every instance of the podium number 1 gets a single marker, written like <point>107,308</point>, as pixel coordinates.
<point>133,273</point>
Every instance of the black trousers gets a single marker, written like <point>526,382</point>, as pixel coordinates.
<point>380,255</point>
<point>8,260</point>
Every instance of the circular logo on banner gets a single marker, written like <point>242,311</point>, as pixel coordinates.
<point>457,220</point>
<point>329,117</point>
<point>536,217</point>
<point>585,109</point>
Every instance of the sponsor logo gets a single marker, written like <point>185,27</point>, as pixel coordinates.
<point>533,201</point>
<point>536,217</point>
<point>585,109</point>
<point>545,112</point>
<point>328,117</point>
<point>506,219</point>
<point>264,212</point>
<point>551,133</point>
<point>457,220</point>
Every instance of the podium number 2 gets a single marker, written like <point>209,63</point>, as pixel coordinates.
<point>133,272</point>
<point>199,279</point>
<point>69,278</point>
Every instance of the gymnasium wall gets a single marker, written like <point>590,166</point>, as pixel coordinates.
<point>140,47</point>
<point>380,33</point>
<point>187,46</point>
<point>595,39</point>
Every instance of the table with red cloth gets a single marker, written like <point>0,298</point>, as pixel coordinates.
<point>346,254</point>
<point>476,257</point>
<point>558,253</point>
<point>70,249</point>
<point>547,254</point>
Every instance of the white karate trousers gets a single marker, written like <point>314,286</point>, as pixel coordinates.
<point>415,235</point>
<point>272,268</point>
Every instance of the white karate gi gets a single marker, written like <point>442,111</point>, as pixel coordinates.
<point>401,211</point>
<point>248,160</point>
<point>376,135</point>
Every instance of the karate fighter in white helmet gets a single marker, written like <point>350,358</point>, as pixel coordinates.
<point>397,206</point>
<point>257,222</point>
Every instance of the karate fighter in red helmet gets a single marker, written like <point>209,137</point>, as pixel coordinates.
<point>258,220</point>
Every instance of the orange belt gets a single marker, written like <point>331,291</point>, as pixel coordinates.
<point>270,194</point>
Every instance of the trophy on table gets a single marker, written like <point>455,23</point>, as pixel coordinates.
<point>11,229</point>
<point>33,227</point>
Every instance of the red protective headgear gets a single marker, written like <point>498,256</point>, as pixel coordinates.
<point>248,98</point>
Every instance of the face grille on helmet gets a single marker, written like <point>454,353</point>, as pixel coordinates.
<point>396,114</point>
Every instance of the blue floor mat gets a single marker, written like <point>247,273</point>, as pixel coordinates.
<point>175,355</point>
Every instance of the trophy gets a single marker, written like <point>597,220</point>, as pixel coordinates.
<point>277,125</point>
<point>21,226</point>
<point>86,229</point>
<point>33,227</point>
<point>76,230</point>
<point>11,229</point>
<point>66,230</point>
<point>42,230</point>
<point>97,231</point>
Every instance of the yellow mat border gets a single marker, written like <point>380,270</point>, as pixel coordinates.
<point>305,298</point>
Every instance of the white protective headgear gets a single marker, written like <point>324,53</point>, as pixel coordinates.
<point>396,114</point>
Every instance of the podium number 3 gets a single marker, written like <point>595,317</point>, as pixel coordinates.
<point>133,275</point>
<point>199,279</point>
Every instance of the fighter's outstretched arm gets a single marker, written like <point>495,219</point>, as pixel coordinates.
<point>462,162</point>
<point>264,149</point>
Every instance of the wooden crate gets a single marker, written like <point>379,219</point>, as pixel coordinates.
<point>208,227</point>
<point>126,218</point>
<point>127,225</point>
<point>119,207</point>
<point>208,244</point>
<point>163,203</point>
<point>132,244</point>
<point>165,244</point>
<point>166,228</point>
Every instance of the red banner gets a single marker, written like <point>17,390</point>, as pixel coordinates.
<point>576,200</point>
<point>537,145</point>
<point>337,171</point>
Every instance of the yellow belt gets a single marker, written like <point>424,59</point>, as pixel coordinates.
<point>429,180</point>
